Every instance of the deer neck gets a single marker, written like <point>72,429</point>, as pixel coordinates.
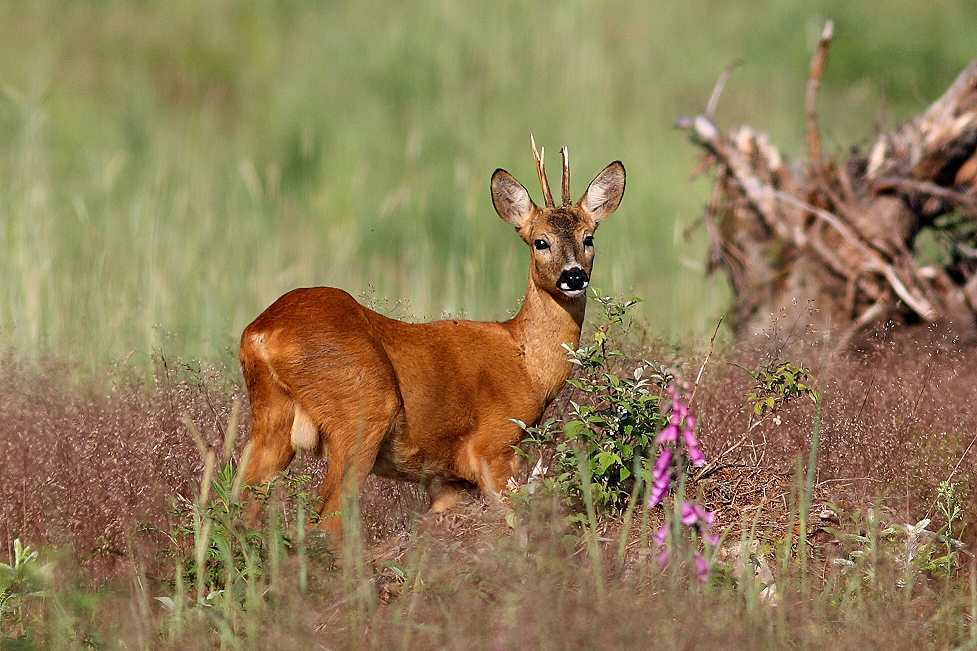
<point>544,323</point>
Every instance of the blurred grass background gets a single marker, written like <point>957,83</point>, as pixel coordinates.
<point>168,168</point>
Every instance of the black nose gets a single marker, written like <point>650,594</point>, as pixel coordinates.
<point>573,280</point>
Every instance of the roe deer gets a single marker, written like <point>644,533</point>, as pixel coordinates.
<point>425,402</point>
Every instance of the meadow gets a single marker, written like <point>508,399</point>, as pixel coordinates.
<point>167,169</point>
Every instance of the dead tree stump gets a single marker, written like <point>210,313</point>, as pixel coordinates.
<point>841,233</point>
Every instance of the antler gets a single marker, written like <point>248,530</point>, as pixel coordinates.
<point>547,195</point>
<point>566,176</point>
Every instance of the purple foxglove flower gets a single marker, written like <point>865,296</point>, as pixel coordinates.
<point>662,557</point>
<point>663,462</point>
<point>712,539</point>
<point>690,437</point>
<point>661,535</point>
<point>658,490</point>
<point>690,421</point>
<point>689,515</point>
<point>668,435</point>
<point>704,516</point>
<point>701,568</point>
<point>695,456</point>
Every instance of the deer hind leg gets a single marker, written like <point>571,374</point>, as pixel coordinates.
<point>272,448</point>
<point>353,443</point>
<point>273,414</point>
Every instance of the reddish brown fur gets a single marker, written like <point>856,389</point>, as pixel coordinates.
<point>429,402</point>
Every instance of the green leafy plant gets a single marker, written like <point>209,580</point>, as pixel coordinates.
<point>224,564</point>
<point>866,541</point>
<point>949,508</point>
<point>21,584</point>
<point>611,432</point>
<point>882,555</point>
<point>778,383</point>
<point>230,546</point>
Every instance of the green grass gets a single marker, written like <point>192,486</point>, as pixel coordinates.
<point>167,169</point>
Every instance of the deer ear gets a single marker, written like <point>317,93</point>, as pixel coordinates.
<point>605,192</point>
<point>511,199</point>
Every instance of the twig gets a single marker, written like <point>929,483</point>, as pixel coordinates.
<point>918,304</point>
<point>817,68</point>
<point>829,218</point>
<point>759,194</point>
<point>711,208</point>
<point>911,186</point>
<point>712,469</point>
<point>962,457</point>
<point>847,480</point>
<point>870,315</point>
<point>702,368</point>
<point>718,89</point>
<point>713,465</point>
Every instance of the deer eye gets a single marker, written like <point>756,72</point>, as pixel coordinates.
<point>541,244</point>
<point>588,240</point>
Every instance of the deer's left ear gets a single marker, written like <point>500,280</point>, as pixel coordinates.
<point>604,194</point>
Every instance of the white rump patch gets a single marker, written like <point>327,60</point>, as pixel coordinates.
<point>305,435</point>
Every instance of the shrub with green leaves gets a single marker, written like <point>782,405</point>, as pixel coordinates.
<point>612,432</point>
<point>777,383</point>
<point>883,556</point>
<point>222,559</point>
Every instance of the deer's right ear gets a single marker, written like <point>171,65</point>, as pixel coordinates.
<point>511,199</point>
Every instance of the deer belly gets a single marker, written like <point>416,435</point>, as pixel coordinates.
<point>418,458</point>
<point>395,458</point>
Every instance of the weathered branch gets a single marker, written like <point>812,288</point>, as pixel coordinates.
<point>817,68</point>
<point>945,134</point>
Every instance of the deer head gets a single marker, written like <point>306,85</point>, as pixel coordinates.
<point>560,238</point>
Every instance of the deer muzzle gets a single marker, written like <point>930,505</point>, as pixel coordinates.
<point>573,282</point>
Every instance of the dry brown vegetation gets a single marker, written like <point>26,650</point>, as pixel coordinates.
<point>81,469</point>
<point>898,417</point>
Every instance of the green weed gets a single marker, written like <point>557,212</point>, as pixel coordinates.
<point>21,586</point>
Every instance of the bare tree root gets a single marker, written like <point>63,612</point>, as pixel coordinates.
<point>841,233</point>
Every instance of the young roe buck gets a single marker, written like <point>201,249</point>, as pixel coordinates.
<point>425,402</point>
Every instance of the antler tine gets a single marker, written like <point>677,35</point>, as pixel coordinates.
<point>541,170</point>
<point>566,176</point>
